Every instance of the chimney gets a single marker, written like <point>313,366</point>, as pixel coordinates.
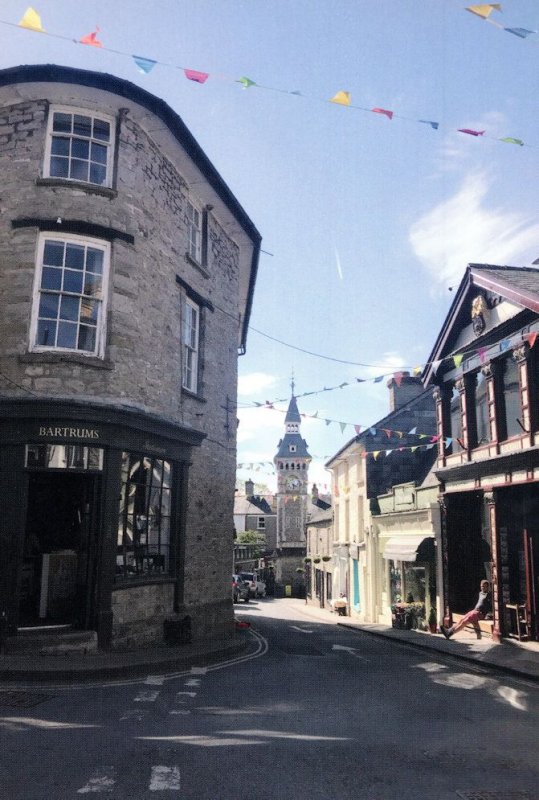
<point>403,388</point>
<point>249,488</point>
<point>314,493</point>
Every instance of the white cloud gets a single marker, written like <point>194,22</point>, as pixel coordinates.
<point>463,230</point>
<point>255,382</point>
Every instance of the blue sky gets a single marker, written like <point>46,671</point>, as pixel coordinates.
<point>369,220</point>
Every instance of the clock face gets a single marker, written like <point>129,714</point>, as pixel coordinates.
<point>293,484</point>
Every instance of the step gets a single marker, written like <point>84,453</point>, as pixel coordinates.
<point>52,640</point>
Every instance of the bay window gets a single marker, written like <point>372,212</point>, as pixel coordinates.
<point>79,147</point>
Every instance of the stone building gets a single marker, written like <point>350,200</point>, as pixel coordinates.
<point>127,271</point>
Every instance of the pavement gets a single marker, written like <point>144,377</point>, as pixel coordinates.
<point>512,657</point>
<point>520,659</point>
<point>80,667</point>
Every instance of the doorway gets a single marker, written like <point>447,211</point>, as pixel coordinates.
<point>58,570</point>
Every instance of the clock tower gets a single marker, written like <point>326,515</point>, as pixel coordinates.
<point>292,468</point>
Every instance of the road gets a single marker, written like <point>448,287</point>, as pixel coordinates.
<point>315,711</point>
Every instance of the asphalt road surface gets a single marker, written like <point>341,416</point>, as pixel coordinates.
<point>314,711</point>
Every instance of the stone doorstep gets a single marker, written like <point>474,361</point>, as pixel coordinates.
<point>52,642</point>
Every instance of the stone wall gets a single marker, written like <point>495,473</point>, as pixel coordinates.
<point>142,366</point>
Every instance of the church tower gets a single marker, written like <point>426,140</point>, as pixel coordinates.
<point>292,469</point>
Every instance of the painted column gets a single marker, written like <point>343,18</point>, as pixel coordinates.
<point>489,499</point>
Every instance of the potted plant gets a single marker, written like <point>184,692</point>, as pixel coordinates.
<point>433,624</point>
<point>307,560</point>
<point>317,559</point>
<point>299,570</point>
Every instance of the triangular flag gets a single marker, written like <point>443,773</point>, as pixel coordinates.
<point>418,370</point>
<point>91,39</point>
<point>360,380</point>
<point>357,429</point>
<point>397,377</point>
<point>413,449</point>
<point>378,379</point>
<point>343,426</point>
<point>429,446</point>
<point>194,75</point>
<point>31,20</point>
<point>246,82</point>
<point>328,422</point>
<point>414,430</point>
<point>422,435</point>
<point>436,365</point>
<point>457,360</point>
<point>530,338</point>
<point>482,352</point>
<point>388,452</point>
<point>510,140</point>
<point>504,345</point>
<point>375,454</point>
<point>448,442</point>
<point>372,431</point>
<point>387,432</point>
<point>384,111</point>
<point>341,98</point>
<point>471,132</point>
<point>522,32</point>
<point>432,124</point>
<point>400,434</point>
<point>485,9</point>
<point>145,65</point>
<point>434,438</point>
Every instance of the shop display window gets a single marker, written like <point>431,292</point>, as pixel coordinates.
<point>143,547</point>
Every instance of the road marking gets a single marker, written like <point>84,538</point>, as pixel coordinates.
<point>164,778</point>
<point>137,715</point>
<point>146,696</point>
<point>102,781</point>
<point>199,670</point>
<point>155,680</point>
<point>301,630</point>
<point>193,682</point>
<point>181,695</point>
<point>350,650</point>
<point>183,711</point>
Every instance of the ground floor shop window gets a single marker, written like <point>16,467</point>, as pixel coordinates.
<point>144,518</point>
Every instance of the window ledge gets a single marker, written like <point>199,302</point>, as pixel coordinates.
<point>194,263</point>
<point>71,358</point>
<point>194,395</point>
<point>124,582</point>
<point>89,188</point>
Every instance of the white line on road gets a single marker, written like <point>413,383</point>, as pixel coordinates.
<point>181,711</point>
<point>199,670</point>
<point>155,680</point>
<point>102,781</point>
<point>181,695</point>
<point>350,650</point>
<point>193,682</point>
<point>146,696</point>
<point>136,714</point>
<point>164,778</point>
<point>301,630</point>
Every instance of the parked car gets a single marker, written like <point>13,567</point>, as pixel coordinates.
<point>240,589</point>
<point>257,587</point>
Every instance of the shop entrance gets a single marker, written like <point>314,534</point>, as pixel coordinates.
<point>58,571</point>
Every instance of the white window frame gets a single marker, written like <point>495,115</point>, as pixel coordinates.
<point>109,145</point>
<point>190,345</point>
<point>261,523</point>
<point>194,232</point>
<point>101,331</point>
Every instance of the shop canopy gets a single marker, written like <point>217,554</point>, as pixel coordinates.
<point>407,548</point>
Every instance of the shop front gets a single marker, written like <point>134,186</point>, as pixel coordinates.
<point>94,503</point>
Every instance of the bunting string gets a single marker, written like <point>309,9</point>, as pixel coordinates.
<point>31,21</point>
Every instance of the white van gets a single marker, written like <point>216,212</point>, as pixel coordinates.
<point>257,587</point>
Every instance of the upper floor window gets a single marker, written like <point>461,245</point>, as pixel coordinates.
<point>261,523</point>
<point>194,232</point>
<point>79,147</point>
<point>481,409</point>
<point>68,310</point>
<point>191,337</point>
<point>292,448</point>
<point>511,396</point>
<point>455,416</point>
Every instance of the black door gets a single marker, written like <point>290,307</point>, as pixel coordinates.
<point>58,572</point>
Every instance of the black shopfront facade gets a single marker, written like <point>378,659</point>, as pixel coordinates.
<point>93,503</point>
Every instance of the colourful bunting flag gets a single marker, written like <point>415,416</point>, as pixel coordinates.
<point>522,32</point>
<point>145,65</point>
<point>357,429</point>
<point>418,371</point>
<point>400,434</point>
<point>504,345</point>
<point>341,98</point>
<point>375,454</point>
<point>485,9</point>
<point>471,132</point>
<point>510,140</point>
<point>434,125</point>
<point>457,360</point>
<point>482,352</point>
<point>388,114</point>
<point>397,377</point>
<point>246,82</point>
<point>194,75</point>
<point>448,442</point>
<point>328,422</point>
<point>436,365</point>
<point>414,430</point>
<point>360,380</point>
<point>91,39</point>
<point>378,379</point>
<point>343,426</point>
<point>413,449</point>
<point>31,20</point>
<point>387,432</point>
<point>530,338</point>
<point>434,438</point>
<point>372,431</point>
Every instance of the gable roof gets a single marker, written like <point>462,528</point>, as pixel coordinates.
<point>519,285</point>
<point>254,504</point>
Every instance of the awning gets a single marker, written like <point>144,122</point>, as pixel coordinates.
<point>404,548</point>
